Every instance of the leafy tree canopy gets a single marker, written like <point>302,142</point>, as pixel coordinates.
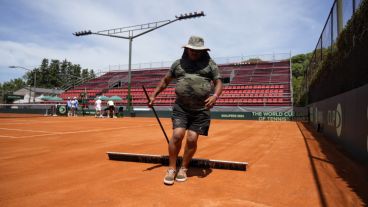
<point>50,74</point>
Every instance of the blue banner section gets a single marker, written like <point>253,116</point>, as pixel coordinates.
<point>344,118</point>
<point>262,114</point>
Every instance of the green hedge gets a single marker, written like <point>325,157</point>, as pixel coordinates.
<point>345,65</point>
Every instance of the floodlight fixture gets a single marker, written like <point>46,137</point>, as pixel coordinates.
<point>190,15</point>
<point>82,33</point>
<point>135,31</point>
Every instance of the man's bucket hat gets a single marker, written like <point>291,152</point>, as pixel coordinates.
<point>196,43</point>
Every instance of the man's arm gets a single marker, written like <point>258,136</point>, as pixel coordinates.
<point>210,101</point>
<point>165,81</point>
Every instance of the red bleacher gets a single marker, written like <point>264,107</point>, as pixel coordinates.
<point>76,93</point>
<point>258,84</point>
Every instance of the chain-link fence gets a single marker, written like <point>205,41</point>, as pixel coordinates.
<point>340,13</point>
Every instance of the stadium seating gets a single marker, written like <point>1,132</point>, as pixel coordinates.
<point>257,84</point>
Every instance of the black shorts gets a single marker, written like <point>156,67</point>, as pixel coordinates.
<point>198,121</point>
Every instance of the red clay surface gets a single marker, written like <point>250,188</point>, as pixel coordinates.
<point>59,161</point>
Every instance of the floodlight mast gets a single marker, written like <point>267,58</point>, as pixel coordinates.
<point>129,33</point>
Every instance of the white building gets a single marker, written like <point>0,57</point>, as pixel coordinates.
<point>31,95</point>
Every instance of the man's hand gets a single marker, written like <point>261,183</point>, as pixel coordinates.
<point>161,86</point>
<point>210,101</point>
<point>151,101</point>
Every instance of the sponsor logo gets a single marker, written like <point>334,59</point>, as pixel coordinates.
<point>62,109</point>
<point>338,120</point>
<point>334,119</point>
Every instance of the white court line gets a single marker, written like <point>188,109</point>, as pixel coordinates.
<point>14,123</point>
<point>35,122</point>
<point>83,131</point>
<point>53,122</point>
<point>26,130</point>
<point>8,137</point>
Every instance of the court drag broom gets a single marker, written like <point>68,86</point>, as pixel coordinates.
<point>164,159</point>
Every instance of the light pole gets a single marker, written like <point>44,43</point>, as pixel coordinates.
<point>30,93</point>
<point>132,32</point>
<point>34,81</point>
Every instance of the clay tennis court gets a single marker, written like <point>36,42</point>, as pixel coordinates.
<point>59,161</point>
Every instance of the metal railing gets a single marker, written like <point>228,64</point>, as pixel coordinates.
<point>218,60</point>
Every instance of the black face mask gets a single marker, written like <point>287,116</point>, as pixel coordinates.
<point>190,65</point>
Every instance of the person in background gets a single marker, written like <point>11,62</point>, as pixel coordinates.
<point>54,110</point>
<point>98,108</point>
<point>69,107</point>
<point>74,104</point>
<point>194,73</point>
<point>111,107</point>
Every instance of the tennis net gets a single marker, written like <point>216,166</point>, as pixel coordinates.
<point>27,110</point>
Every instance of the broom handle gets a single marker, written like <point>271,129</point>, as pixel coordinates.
<point>154,111</point>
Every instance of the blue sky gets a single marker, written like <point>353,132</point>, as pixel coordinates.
<point>37,29</point>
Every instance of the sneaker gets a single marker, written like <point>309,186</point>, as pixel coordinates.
<point>182,175</point>
<point>169,177</point>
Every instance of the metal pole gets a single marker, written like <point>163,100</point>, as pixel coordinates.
<point>154,111</point>
<point>129,104</point>
<point>340,23</point>
<point>354,8</point>
<point>30,92</point>
<point>34,87</point>
<point>332,31</point>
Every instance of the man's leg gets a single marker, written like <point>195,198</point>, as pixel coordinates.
<point>175,146</point>
<point>190,147</point>
<point>111,111</point>
<point>174,149</point>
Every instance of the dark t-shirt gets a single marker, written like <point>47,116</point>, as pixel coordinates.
<point>193,85</point>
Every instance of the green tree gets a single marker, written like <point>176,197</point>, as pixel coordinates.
<point>54,71</point>
<point>54,74</point>
<point>29,77</point>
<point>299,64</point>
<point>85,74</point>
<point>63,77</point>
<point>298,69</point>
<point>69,74</point>
<point>43,74</point>
<point>12,85</point>
<point>76,74</point>
<point>91,74</point>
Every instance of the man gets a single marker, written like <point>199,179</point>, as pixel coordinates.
<point>194,73</point>
<point>111,108</point>
<point>98,108</point>
<point>69,107</point>
<point>74,104</point>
